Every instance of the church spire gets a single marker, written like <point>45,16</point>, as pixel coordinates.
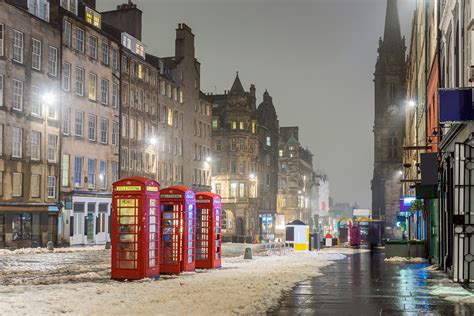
<point>392,32</point>
<point>237,87</point>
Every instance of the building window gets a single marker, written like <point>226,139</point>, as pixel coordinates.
<point>18,44</point>
<point>104,126</point>
<point>92,86</point>
<point>104,88</point>
<point>93,17</point>
<point>124,158</point>
<point>17,95</point>
<point>219,145</point>
<point>233,144</point>
<point>393,91</point>
<point>170,116</point>
<point>233,167</point>
<point>79,81</point>
<point>53,61</point>
<point>132,128</point>
<point>2,40</point>
<point>254,128</point>
<point>105,53</point>
<point>66,121</point>
<point>35,101</point>
<point>234,124</point>
<point>114,59</point>
<point>79,39</point>
<point>67,33</point>
<point>92,127</point>
<point>65,171</point>
<point>52,148</point>
<point>17,189</point>
<point>218,188</point>
<point>35,145</point>
<point>35,54</point>
<point>51,187</point>
<point>215,123</point>
<point>115,132</point>
<point>91,173</point>
<point>233,189</point>
<point>242,144</point>
<point>17,142</point>
<point>93,47</point>
<point>79,124</point>
<point>242,167</point>
<point>114,172</point>
<point>66,76</point>
<point>1,90</point>
<point>115,92</point>
<point>242,189</point>
<point>241,125</point>
<point>78,161</point>
<point>103,174</point>
<point>35,187</point>
<point>1,140</point>
<point>269,141</point>
<point>70,5</point>
<point>280,153</point>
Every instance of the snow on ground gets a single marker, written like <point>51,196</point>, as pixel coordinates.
<point>405,260</point>
<point>79,283</point>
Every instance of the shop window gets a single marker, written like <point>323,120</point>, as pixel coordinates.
<point>21,226</point>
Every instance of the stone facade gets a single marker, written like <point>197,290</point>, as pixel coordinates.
<point>389,125</point>
<point>29,126</point>
<point>236,153</point>
<point>90,125</point>
<point>295,180</point>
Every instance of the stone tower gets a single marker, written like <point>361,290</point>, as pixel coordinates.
<point>390,73</point>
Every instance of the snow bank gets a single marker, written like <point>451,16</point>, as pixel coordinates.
<point>405,260</point>
<point>27,251</point>
<point>240,287</point>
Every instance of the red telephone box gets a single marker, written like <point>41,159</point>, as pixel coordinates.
<point>135,228</point>
<point>208,230</point>
<point>178,229</point>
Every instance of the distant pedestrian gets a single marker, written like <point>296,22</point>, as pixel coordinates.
<point>373,238</point>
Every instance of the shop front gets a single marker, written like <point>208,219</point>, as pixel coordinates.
<point>27,226</point>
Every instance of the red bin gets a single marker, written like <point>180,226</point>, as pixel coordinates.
<point>178,229</point>
<point>135,229</point>
<point>208,230</point>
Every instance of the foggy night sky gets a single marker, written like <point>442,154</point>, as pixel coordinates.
<point>316,58</point>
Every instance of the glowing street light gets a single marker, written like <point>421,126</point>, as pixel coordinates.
<point>208,159</point>
<point>411,104</point>
<point>49,98</point>
<point>153,140</point>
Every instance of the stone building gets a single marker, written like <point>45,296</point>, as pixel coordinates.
<point>139,110</point>
<point>235,144</point>
<point>90,126</point>
<point>268,129</point>
<point>29,124</point>
<point>389,125</point>
<point>295,180</point>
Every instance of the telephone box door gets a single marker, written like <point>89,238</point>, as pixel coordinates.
<point>171,227</point>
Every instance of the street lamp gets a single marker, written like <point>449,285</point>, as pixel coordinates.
<point>49,98</point>
<point>411,103</point>
<point>208,159</point>
<point>154,142</point>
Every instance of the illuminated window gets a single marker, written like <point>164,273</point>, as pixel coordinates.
<point>269,141</point>
<point>170,116</point>
<point>254,128</point>
<point>140,71</point>
<point>241,125</point>
<point>215,123</point>
<point>93,18</point>
<point>234,125</point>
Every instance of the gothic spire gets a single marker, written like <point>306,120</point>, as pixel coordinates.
<point>392,32</point>
<point>237,87</point>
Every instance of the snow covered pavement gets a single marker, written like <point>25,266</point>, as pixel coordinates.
<point>78,283</point>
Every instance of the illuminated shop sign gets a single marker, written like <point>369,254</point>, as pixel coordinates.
<point>129,188</point>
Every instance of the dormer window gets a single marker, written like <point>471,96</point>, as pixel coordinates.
<point>93,17</point>
<point>70,5</point>
<point>39,8</point>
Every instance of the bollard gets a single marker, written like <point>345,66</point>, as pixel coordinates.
<point>50,246</point>
<point>248,253</point>
<point>107,245</point>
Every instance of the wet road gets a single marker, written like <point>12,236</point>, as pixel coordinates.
<point>365,285</point>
